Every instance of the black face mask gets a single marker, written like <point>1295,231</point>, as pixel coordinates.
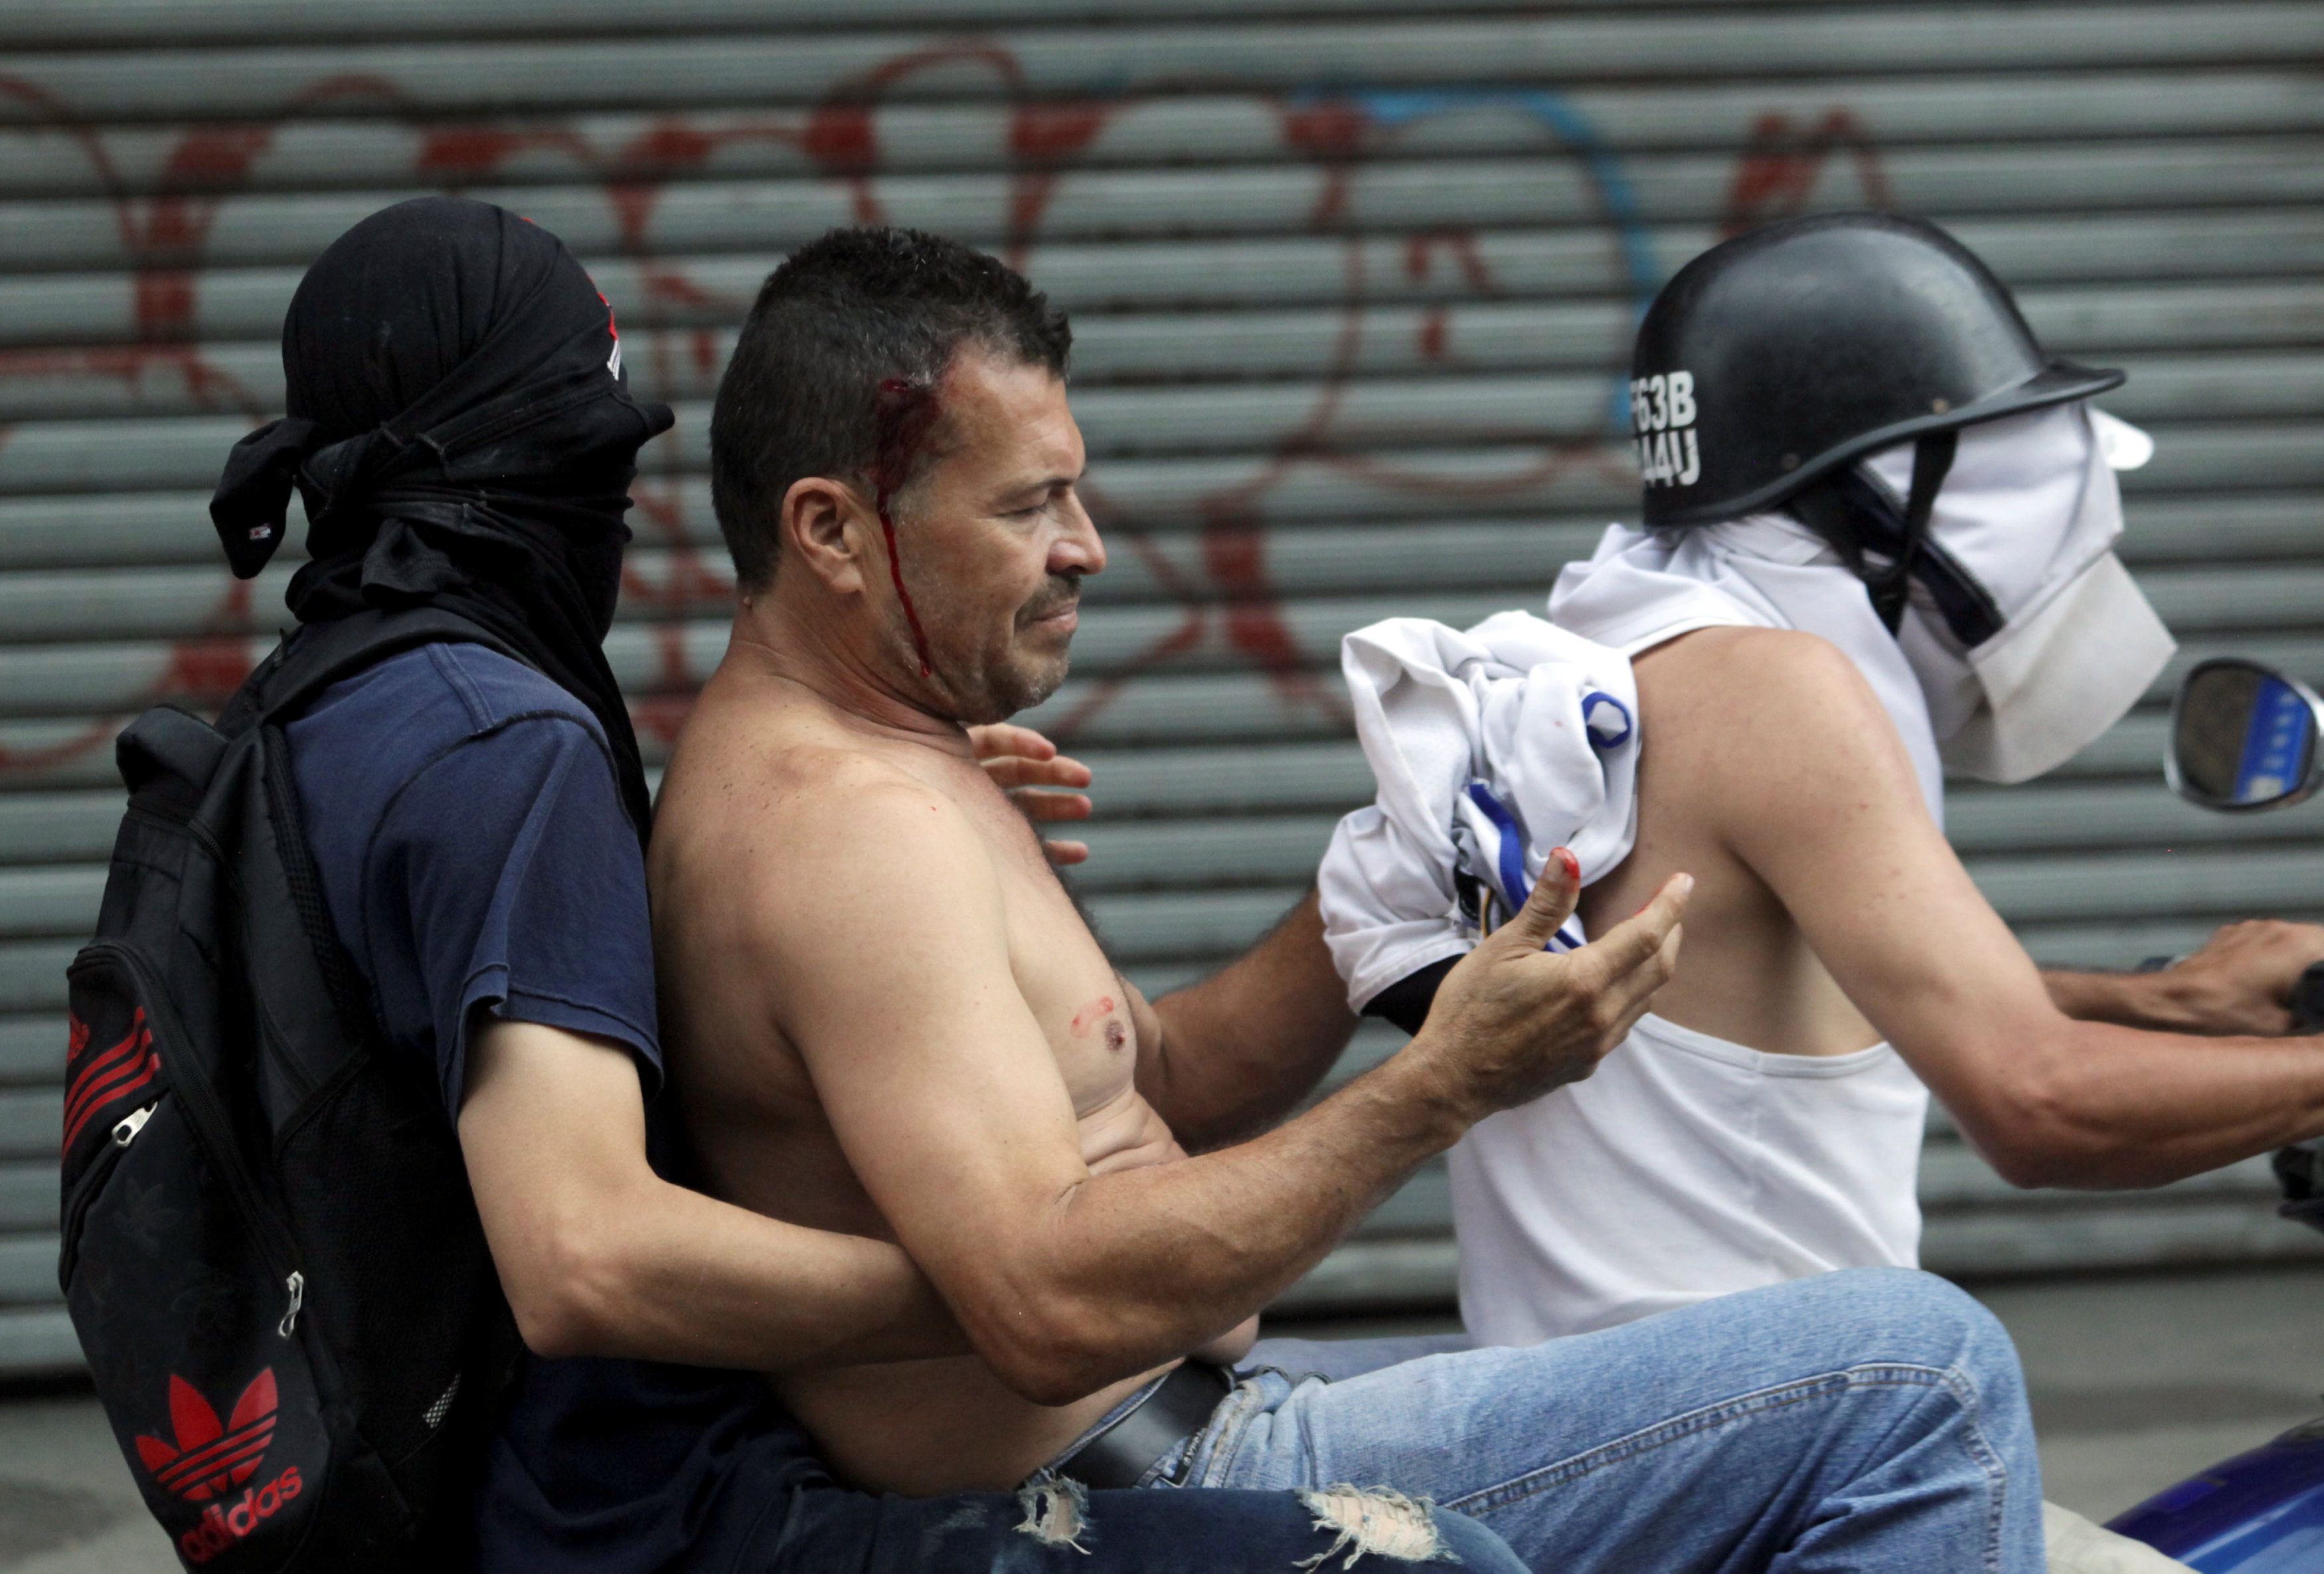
<point>461,436</point>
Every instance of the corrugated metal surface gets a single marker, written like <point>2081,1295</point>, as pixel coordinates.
<point>1353,280</point>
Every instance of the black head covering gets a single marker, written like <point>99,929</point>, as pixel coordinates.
<point>463,437</point>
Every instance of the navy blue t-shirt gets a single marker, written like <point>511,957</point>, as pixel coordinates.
<point>474,855</point>
<point>472,849</point>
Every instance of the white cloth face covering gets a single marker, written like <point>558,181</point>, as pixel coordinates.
<point>1491,747</point>
<point>2031,509</point>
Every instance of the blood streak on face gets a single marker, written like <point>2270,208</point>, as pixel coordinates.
<point>1096,1009</point>
<point>906,412</point>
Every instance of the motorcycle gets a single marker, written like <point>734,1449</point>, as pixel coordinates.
<point>2245,739</point>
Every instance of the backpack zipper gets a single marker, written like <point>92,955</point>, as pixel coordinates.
<point>211,1130</point>
<point>85,1190</point>
<point>92,1179</point>
<point>126,1132</point>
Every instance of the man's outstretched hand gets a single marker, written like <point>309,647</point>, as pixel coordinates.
<point>1042,783</point>
<point>1512,1020</point>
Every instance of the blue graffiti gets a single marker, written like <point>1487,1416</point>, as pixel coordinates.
<point>1616,197</point>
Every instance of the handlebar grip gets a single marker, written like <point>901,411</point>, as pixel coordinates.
<point>2306,1001</point>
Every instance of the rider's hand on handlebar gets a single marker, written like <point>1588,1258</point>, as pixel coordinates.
<point>1512,1020</point>
<point>2241,981</point>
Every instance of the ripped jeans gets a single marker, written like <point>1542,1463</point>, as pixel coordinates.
<point>1872,1418</point>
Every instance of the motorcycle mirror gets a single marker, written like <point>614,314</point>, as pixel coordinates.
<point>2242,738</point>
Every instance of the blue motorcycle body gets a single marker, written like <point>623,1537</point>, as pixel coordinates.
<point>2260,1512</point>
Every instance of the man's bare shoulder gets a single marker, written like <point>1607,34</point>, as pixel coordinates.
<point>772,799</point>
<point>1731,663</point>
<point>1717,685</point>
<point>778,792</point>
<point>1768,722</point>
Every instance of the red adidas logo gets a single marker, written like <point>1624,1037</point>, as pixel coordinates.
<point>209,1459</point>
<point>122,1071</point>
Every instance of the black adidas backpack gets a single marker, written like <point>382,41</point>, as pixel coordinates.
<point>270,1250</point>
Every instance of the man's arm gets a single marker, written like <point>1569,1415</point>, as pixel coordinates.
<point>2240,982</point>
<point>1226,1057</point>
<point>1815,792</point>
<point>945,1095</point>
<point>600,1256</point>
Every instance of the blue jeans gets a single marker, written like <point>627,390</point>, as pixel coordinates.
<point>1868,1419</point>
<point>832,1531</point>
<point>621,1468</point>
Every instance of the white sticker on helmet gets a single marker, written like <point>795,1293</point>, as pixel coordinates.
<point>1662,417</point>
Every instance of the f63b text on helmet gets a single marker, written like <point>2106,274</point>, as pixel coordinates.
<point>1662,414</point>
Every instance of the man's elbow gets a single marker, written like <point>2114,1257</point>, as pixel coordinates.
<point>2033,1135</point>
<point>1052,1350</point>
<point>566,1296</point>
<point>1046,1380</point>
<point>2029,1164</point>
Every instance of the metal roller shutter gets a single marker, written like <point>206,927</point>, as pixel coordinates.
<point>1352,283</point>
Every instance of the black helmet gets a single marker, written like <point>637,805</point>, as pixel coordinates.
<point>1774,361</point>
<point>1800,348</point>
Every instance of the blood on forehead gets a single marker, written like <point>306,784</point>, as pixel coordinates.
<point>904,413</point>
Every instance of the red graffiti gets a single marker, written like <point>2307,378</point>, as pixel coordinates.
<point>132,364</point>
<point>1332,128</point>
<point>1330,134</point>
<point>1042,138</point>
<point>212,666</point>
<point>1780,165</point>
<point>164,234</point>
<point>840,136</point>
<point>208,165</point>
<point>1333,134</point>
<point>1420,255</point>
<point>840,140</point>
<point>1223,589</point>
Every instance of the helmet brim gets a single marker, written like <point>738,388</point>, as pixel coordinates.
<point>2060,382</point>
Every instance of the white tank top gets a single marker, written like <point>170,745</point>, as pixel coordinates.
<point>1687,1167</point>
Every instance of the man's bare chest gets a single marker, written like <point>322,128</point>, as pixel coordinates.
<point>1069,985</point>
<point>1073,990</point>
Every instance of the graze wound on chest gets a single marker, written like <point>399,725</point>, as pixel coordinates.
<point>906,413</point>
<point>1096,1011</point>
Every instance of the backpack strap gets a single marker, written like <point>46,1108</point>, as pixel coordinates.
<point>309,659</point>
<point>315,655</point>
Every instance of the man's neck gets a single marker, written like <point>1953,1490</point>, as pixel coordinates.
<point>840,668</point>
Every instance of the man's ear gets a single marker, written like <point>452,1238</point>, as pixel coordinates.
<point>827,528</point>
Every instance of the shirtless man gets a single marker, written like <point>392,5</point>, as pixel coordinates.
<point>886,1016</point>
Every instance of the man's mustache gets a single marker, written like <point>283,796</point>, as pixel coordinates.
<point>1065,590</point>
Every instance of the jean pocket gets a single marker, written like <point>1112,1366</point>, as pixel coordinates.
<point>1210,1448</point>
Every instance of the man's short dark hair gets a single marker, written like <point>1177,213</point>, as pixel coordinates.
<point>844,315</point>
